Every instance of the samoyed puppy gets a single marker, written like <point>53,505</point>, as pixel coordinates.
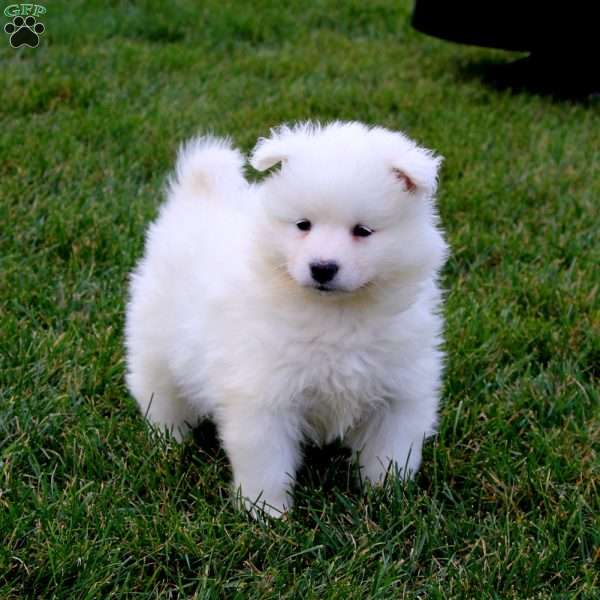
<point>302,308</point>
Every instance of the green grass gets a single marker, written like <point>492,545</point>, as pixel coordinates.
<point>94,505</point>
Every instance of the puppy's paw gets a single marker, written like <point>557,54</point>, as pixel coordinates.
<point>274,507</point>
<point>376,472</point>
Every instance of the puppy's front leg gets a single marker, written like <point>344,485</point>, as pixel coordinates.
<point>264,452</point>
<point>392,437</point>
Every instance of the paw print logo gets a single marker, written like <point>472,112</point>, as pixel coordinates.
<point>24,32</point>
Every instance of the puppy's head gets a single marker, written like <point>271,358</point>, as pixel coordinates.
<point>351,206</point>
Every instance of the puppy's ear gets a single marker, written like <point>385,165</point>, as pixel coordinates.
<point>266,153</point>
<point>416,169</point>
<point>285,141</point>
<point>272,150</point>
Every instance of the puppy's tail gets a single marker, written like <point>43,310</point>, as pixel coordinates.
<point>207,164</point>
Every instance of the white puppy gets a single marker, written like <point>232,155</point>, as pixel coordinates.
<point>303,307</point>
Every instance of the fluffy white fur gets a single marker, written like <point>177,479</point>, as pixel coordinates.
<point>225,319</point>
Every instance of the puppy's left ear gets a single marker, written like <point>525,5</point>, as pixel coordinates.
<point>416,169</point>
<point>270,151</point>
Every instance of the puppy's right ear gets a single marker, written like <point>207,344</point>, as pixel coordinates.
<point>268,152</point>
<point>272,150</point>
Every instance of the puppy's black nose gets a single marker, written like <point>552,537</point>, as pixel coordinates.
<point>323,272</point>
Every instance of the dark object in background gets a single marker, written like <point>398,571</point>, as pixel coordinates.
<point>563,39</point>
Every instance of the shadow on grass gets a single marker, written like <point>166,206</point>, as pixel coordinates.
<point>325,473</point>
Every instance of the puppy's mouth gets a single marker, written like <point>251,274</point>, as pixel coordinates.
<point>330,290</point>
<point>327,289</point>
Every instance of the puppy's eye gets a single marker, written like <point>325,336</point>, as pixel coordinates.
<point>361,231</point>
<point>304,225</point>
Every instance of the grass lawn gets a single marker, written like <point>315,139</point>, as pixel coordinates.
<point>94,505</point>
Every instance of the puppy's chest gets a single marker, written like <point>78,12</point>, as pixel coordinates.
<point>338,382</point>
<point>330,369</point>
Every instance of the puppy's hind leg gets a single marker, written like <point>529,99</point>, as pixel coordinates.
<point>152,386</point>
